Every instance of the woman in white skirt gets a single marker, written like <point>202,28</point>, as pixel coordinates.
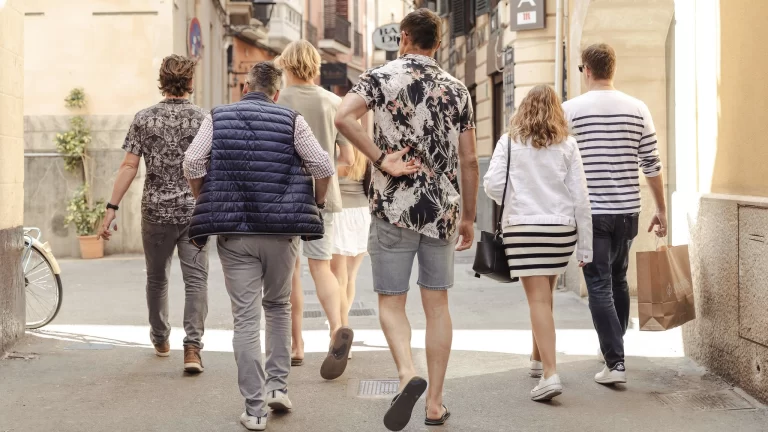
<point>546,216</point>
<point>350,236</point>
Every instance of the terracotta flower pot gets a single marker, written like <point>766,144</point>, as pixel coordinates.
<point>91,247</point>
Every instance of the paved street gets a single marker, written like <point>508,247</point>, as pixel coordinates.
<point>93,369</point>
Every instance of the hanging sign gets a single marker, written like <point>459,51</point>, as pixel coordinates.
<point>385,37</point>
<point>527,15</point>
<point>333,74</point>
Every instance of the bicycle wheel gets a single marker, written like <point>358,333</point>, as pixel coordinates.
<point>43,289</point>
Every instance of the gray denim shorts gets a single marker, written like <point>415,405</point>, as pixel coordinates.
<point>392,250</point>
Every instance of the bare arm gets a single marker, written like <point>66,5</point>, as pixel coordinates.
<point>656,184</point>
<point>470,174</point>
<point>125,175</point>
<point>317,161</point>
<point>321,189</point>
<point>352,108</point>
<point>198,155</point>
<point>196,185</point>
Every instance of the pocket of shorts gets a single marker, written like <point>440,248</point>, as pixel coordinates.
<point>387,234</point>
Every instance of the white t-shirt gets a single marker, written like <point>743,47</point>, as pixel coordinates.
<point>616,136</point>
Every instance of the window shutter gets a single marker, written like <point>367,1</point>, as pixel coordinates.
<point>457,18</point>
<point>482,7</point>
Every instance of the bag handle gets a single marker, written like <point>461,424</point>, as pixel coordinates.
<point>506,183</point>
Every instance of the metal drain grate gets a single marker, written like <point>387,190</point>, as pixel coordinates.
<point>723,400</point>
<point>310,292</point>
<point>377,388</point>
<point>353,313</point>
<point>319,307</point>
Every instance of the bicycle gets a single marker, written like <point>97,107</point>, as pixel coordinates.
<point>42,280</point>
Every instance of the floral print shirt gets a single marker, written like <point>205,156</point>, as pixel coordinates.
<point>161,134</point>
<point>415,103</point>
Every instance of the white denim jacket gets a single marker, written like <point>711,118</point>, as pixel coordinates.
<point>547,186</point>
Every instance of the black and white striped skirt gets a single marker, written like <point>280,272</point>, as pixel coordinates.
<point>539,250</point>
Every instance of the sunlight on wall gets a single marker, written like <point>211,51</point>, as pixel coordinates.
<point>707,81</point>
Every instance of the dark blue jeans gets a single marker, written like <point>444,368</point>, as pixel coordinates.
<point>606,278</point>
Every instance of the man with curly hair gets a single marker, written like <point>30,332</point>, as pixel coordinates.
<point>161,134</point>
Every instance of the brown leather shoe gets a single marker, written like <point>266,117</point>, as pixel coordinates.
<point>192,361</point>
<point>163,349</point>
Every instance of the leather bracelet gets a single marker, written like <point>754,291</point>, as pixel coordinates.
<point>111,206</point>
<point>380,160</point>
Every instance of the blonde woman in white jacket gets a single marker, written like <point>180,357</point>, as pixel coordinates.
<point>546,216</point>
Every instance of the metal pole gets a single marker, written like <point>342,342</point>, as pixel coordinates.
<point>559,49</point>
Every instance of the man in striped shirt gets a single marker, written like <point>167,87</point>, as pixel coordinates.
<point>616,136</point>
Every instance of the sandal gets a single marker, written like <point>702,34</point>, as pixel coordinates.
<point>297,361</point>
<point>336,361</point>
<point>437,422</point>
<point>399,413</point>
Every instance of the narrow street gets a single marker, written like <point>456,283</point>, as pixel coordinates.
<point>93,368</point>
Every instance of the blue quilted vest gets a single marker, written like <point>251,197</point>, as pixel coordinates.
<point>256,183</point>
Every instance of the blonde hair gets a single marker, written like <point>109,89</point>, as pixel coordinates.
<point>301,59</point>
<point>539,119</point>
<point>357,169</point>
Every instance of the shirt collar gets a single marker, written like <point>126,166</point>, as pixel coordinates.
<point>426,60</point>
<point>176,101</point>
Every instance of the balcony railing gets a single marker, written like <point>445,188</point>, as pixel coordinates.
<point>337,28</point>
<point>358,44</point>
<point>311,34</point>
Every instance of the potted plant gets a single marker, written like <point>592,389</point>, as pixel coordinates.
<point>82,212</point>
<point>86,218</point>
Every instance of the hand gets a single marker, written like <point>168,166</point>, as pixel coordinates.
<point>109,217</point>
<point>394,165</point>
<point>466,235</point>
<point>660,219</point>
<point>582,264</point>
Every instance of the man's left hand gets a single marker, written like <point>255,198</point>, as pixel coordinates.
<point>466,235</point>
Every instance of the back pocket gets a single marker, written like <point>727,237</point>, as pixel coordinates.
<point>387,234</point>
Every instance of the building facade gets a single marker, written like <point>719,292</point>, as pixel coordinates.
<point>12,308</point>
<point>114,55</point>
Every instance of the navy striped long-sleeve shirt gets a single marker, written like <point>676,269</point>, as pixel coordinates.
<point>617,139</point>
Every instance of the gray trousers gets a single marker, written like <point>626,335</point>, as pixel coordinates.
<point>257,273</point>
<point>160,241</point>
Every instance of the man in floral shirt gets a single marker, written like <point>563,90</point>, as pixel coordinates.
<point>423,135</point>
<point>161,134</point>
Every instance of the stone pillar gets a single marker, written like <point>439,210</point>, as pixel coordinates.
<point>11,173</point>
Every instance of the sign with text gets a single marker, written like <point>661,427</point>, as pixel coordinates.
<point>385,37</point>
<point>527,15</point>
<point>333,74</point>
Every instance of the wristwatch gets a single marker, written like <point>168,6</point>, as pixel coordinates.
<point>380,160</point>
<point>111,206</point>
<point>321,206</point>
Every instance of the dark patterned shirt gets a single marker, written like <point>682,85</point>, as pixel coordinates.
<point>161,134</point>
<point>417,104</point>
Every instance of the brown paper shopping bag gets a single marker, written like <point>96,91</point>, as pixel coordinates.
<point>664,288</point>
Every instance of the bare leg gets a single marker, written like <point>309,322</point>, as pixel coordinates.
<point>538,289</point>
<point>297,313</point>
<point>397,330</point>
<point>439,336</point>
<point>327,291</point>
<point>339,269</point>
<point>353,266</point>
<point>535,355</point>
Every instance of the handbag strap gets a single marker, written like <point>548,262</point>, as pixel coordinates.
<point>506,183</point>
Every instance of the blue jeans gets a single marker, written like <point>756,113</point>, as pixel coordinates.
<point>606,278</point>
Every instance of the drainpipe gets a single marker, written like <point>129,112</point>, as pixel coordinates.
<point>559,49</point>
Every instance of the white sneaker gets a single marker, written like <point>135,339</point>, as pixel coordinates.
<point>617,375</point>
<point>600,356</point>
<point>278,400</point>
<point>536,369</point>
<point>253,423</point>
<point>547,389</point>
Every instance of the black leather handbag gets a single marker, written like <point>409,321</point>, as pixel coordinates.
<point>490,258</point>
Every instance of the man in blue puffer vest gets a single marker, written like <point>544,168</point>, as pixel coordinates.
<point>250,168</point>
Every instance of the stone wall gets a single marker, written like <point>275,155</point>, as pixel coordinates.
<point>729,255</point>
<point>11,172</point>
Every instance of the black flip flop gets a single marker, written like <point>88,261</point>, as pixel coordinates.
<point>399,413</point>
<point>297,362</point>
<point>438,422</point>
<point>336,361</point>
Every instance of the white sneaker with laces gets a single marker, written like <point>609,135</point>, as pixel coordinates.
<point>278,400</point>
<point>617,375</point>
<point>536,369</point>
<point>253,423</point>
<point>547,389</point>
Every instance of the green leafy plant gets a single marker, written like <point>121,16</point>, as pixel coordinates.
<point>84,216</point>
<point>75,99</point>
<point>72,143</point>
